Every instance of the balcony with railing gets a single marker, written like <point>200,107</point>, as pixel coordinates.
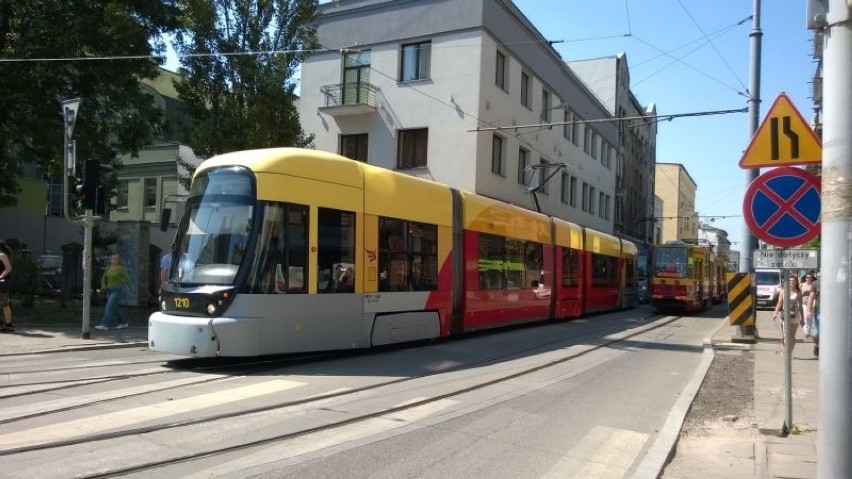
<point>342,99</point>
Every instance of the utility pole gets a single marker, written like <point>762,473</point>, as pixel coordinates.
<point>749,241</point>
<point>69,116</point>
<point>835,329</point>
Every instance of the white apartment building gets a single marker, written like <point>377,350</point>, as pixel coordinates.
<point>609,79</point>
<point>457,91</point>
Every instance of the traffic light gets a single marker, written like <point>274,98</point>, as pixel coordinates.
<point>106,193</point>
<point>91,185</point>
<point>78,196</point>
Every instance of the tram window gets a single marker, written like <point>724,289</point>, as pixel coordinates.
<point>336,252</point>
<point>570,267</point>
<point>281,258</point>
<point>513,265</point>
<point>630,272</point>
<point>509,263</point>
<point>408,255</point>
<point>492,250</point>
<point>533,265</point>
<point>603,270</point>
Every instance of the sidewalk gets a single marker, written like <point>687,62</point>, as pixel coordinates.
<point>772,455</point>
<point>49,339</point>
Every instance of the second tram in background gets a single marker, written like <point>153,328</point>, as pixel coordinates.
<point>287,250</point>
<point>686,277</point>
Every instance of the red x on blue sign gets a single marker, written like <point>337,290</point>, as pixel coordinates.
<point>782,207</point>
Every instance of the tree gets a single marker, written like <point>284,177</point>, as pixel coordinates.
<point>53,50</point>
<point>239,59</point>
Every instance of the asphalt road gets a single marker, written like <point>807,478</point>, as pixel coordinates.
<point>587,398</point>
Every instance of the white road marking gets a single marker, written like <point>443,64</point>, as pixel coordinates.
<point>123,419</point>
<point>66,402</point>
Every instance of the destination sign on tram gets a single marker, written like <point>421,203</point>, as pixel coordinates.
<point>786,258</point>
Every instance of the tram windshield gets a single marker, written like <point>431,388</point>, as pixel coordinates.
<point>214,234</point>
<point>671,263</point>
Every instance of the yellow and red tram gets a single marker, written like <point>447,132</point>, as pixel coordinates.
<point>289,250</point>
<point>684,277</point>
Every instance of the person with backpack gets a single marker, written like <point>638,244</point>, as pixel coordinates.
<point>5,298</point>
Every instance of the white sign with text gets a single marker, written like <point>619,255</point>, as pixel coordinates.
<point>786,258</point>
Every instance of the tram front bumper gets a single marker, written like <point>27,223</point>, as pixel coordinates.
<point>182,335</point>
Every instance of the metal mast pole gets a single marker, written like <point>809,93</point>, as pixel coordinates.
<point>835,329</point>
<point>749,241</point>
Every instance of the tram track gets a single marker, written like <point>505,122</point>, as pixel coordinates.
<point>177,367</point>
<point>306,402</point>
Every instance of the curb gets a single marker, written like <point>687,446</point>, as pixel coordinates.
<point>661,451</point>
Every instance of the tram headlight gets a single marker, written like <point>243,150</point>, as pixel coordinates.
<point>211,309</point>
<point>163,305</point>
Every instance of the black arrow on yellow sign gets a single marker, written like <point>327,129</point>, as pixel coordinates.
<point>788,131</point>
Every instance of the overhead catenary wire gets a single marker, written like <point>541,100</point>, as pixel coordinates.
<point>668,117</point>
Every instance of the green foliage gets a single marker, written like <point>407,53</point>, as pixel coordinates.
<point>49,38</point>
<point>186,181</point>
<point>242,101</point>
<point>24,278</point>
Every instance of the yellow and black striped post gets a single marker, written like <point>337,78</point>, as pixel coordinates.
<point>740,299</point>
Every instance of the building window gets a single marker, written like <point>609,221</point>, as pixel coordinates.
<point>610,156</point>
<point>412,148</point>
<point>356,78</point>
<point>593,150</point>
<point>354,146</point>
<point>121,196</point>
<point>416,58</point>
<point>500,73</point>
<point>497,155</point>
<point>523,162</point>
<point>566,127</point>
<point>575,128</point>
<point>601,204</point>
<point>545,105</point>
<point>592,200</point>
<point>573,198</point>
<point>526,90</point>
<point>587,139</point>
<point>585,196</point>
<point>566,188</point>
<point>543,173</point>
<point>150,192</point>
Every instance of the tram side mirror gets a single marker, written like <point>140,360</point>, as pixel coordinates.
<point>165,216</point>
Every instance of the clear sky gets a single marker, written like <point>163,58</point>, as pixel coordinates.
<point>690,56</point>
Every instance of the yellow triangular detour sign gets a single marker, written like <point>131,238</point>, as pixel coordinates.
<point>784,138</point>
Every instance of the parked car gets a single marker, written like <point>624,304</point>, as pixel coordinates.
<point>768,283</point>
<point>50,270</point>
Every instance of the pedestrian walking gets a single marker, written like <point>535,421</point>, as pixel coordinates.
<point>795,297</point>
<point>114,280</point>
<point>813,311</point>
<point>5,294</point>
<point>807,289</point>
<point>166,264</point>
